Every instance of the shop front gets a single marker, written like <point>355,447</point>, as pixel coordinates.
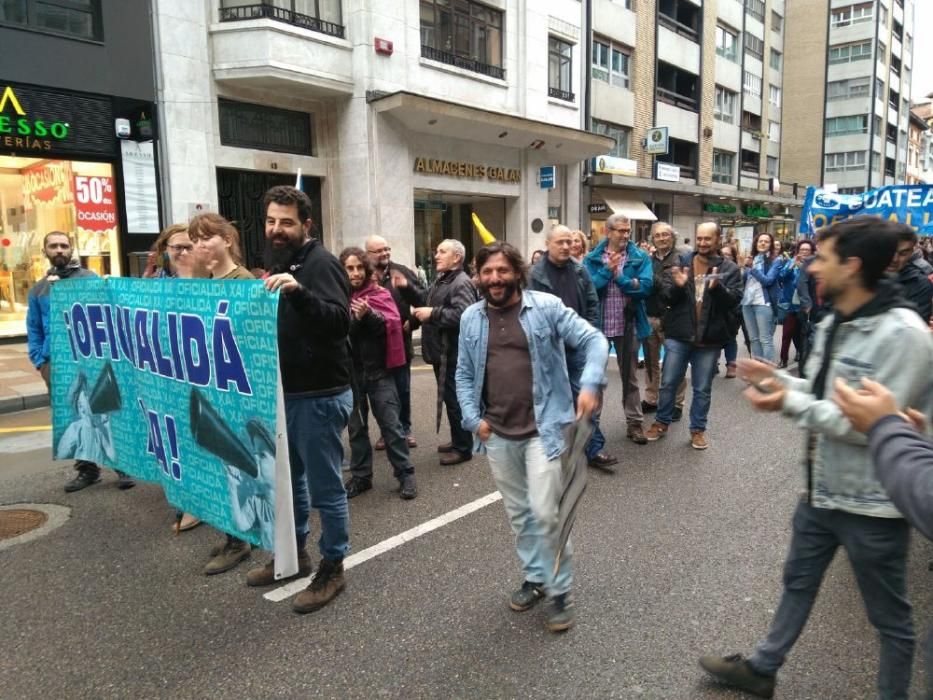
<point>62,168</point>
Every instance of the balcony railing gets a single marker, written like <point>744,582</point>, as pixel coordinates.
<point>676,99</point>
<point>677,27</point>
<point>280,14</point>
<point>469,64</point>
<point>559,94</point>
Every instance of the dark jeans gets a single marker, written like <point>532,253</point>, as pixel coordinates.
<point>461,439</point>
<point>315,425</point>
<point>877,550</point>
<point>383,400</point>
<point>402,377</point>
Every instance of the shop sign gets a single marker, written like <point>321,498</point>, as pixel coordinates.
<point>474,171</point>
<point>615,166</point>
<point>656,141</point>
<point>139,187</point>
<point>714,208</point>
<point>94,203</point>
<point>20,130</point>
<point>546,177</point>
<point>667,172</point>
<point>47,183</point>
<point>757,212</point>
<point>598,208</point>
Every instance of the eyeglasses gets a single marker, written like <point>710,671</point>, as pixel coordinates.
<point>181,248</point>
<point>387,249</point>
<point>622,230</point>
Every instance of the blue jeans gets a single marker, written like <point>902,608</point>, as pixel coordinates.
<point>732,351</point>
<point>531,486</point>
<point>575,363</point>
<point>315,448</point>
<point>759,320</point>
<point>877,550</point>
<point>702,361</point>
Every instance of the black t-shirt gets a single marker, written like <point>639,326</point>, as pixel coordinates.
<point>563,279</point>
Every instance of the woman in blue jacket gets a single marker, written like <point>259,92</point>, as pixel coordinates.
<point>762,293</point>
<point>790,301</point>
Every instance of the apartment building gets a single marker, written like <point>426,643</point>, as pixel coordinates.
<point>403,117</point>
<point>711,75</point>
<point>922,110</point>
<point>849,68</point>
<point>917,142</point>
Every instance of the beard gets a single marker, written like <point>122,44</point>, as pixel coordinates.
<point>60,261</point>
<point>509,290</point>
<point>277,258</point>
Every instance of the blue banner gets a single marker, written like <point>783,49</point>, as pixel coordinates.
<point>908,204</point>
<point>177,382</point>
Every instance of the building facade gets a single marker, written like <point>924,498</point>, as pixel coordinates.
<point>73,75</point>
<point>848,72</point>
<point>922,110</point>
<point>403,118</point>
<point>710,75</point>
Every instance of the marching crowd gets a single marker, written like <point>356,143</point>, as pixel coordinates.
<point>520,352</point>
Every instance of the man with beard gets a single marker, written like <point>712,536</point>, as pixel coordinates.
<point>57,248</point>
<point>313,323</point>
<point>446,300</point>
<point>701,295</point>
<point>872,332</point>
<point>406,290</point>
<point>513,385</point>
<point>913,273</point>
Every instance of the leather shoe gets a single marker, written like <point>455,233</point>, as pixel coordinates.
<point>455,458</point>
<point>446,448</point>
<point>637,435</point>
<point>603,462</point>
<point>355,486</point>
<point>648,407</point>
<point>410,439</point>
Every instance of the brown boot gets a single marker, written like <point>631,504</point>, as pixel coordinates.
<point>232,553</point>
<point>326,585</point>
<point>265,575</point>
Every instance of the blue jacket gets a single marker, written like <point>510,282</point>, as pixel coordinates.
<point>769,275</point>
<point>38,332</point>
<point>548,326</point>
<point>637,266</point>
<point>788,281</point>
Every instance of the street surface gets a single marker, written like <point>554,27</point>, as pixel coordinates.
<point>677,555</point>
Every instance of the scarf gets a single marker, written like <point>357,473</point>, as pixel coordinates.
<point>380,300</point>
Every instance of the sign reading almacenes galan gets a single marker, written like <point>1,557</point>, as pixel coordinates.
<point>459,168</point>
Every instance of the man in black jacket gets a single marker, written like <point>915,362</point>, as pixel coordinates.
<point>701,295</point>
<point>405,294</point>
<point>446,300</point>
<point>313,322</point>
<point>913,273</point>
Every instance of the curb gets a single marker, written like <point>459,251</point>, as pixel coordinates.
<point>23,402</point>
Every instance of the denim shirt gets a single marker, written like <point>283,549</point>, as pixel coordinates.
<point>548,326</point>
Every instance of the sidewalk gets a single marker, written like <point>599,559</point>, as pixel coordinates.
<point>21,387</point>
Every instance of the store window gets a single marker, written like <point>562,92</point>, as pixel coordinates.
<point>38,196</point>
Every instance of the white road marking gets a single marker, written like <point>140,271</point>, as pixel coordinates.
<point>293,587</point>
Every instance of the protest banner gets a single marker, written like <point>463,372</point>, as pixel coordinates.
<point>177,382</point>
<point>908,204</point>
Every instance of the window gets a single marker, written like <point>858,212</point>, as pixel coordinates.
<point>681,16</point>
<point>724,110</point>
<point>622,136</point>
<point>852,14</point>
<point>882,15</point>
<point>559,69</point>
<point>894,100</point>
<point>752,84</point>
<point>723,167</point>
<point>774,95</point>
<point>751,122</point>
<point>777,59</point>
<point>268,128</point>
<point>771,166</point>
<point>751,161</point>
<point>844,53</point>
<point>839,162</point>
<point>891,134</point>
<point>844,89</point>
<point>879,89</point>
<point>774,132</point>
<point>677,86</point>
<point>882,50</point>
<point>727,42</point>
<point>889,167</point>
<point>756,8</point>
<point>611,63</point>
<point>842,126</point>
<point>777,22</point>
<point>682,153</point>
<point>754,46</point>
<point>80,19</point>
<point>464,34</point>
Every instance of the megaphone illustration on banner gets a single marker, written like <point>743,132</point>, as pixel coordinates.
<point>211,432</point>
<point>105,396</point>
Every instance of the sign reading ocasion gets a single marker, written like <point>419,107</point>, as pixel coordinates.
<point>908,204</point>
<point>177,382</point>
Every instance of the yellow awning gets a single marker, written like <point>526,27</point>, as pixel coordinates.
<point>632,208</point>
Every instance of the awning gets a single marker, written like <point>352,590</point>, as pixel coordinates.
<point>632,208</point>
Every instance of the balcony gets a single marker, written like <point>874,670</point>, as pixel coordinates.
<point>280,14</point>
<point>469,64</point>
<point>559,94</point>
<point>678,100</point>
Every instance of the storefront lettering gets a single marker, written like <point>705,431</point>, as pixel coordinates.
<point>25,133</point>
<point>719,208</point>
<point>757,211</point>
<point>476,171</point>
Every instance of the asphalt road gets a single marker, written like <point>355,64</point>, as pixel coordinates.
<point>677,555</point>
